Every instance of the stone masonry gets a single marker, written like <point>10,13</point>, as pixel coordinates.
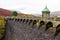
<point>16,30</point>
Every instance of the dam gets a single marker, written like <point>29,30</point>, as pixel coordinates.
<point>24,29</point>
<point>32,27</point>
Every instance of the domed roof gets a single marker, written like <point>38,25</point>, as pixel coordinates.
<point>46,9</point>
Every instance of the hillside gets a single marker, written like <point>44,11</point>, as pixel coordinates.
<point>4,12</point>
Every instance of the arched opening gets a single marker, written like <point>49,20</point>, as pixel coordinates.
<point>23,20</point>
<point>34,22</point>
<point>27,20</point>
<point>30,21</point>
<point>18,19</point>
<point>58,26</point>
<point>9,18</point>
<point>48,25</point>
<point>15,19</point>
<point>57,30</point>
<point>41,24</point>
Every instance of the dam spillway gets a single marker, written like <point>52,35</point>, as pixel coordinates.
<point>25,30</point>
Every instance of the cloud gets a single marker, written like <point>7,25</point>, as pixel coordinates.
<point>30,6</point>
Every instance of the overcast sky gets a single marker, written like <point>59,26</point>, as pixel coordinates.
<point>30,6</point>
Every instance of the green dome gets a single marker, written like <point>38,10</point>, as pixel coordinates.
<point>15,13</point>
<point>46,9</point>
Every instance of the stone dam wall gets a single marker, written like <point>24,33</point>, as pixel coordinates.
<point>16,30</point>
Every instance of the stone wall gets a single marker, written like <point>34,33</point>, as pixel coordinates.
<point>16,30</point>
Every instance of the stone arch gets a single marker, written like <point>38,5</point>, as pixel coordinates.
<point>15,19</point>
<point>57,30</point>
<point>41,24</point>
<point>30,21</point>
<point>48,25</point>
<point>23,20</point>
<point>34,22</point>
<point>9,18</point>
<point>58,26</point>
<point>27,20</point>
<point>18,19</point>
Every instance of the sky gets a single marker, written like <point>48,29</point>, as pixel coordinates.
<point>30,6</point>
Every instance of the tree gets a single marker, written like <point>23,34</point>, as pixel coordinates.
<point>15,13</point>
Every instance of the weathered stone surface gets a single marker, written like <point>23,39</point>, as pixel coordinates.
<point>23,31</point>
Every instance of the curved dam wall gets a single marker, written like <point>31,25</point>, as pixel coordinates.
<point>16,30</point>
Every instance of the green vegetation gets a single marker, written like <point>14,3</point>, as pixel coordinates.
<point>1,31</point>
<point>2,27</point>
